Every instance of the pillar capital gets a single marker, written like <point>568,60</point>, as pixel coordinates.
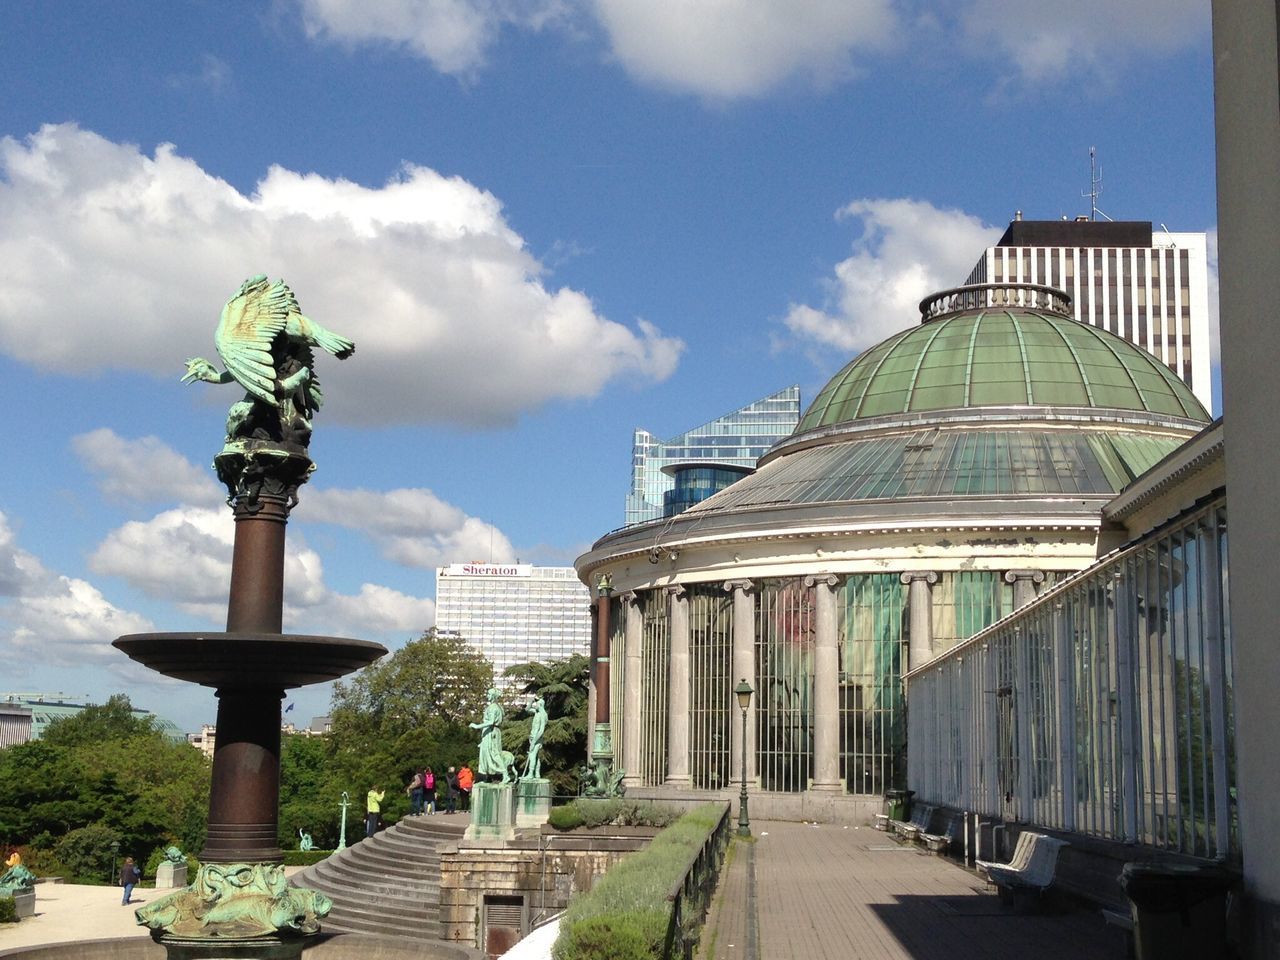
<point>826,579</point>
<point>630,596</point>
<point>674,590</point>
<point>1013,576</point>
<point>928,576</point>
<point>746,586</point>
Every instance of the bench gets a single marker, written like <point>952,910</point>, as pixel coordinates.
<point>1035,860</point>
<point>918,823</point>
<point>941,842</point>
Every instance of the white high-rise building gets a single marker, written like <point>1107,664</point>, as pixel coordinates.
<point>1150,287</point>
<point>514,612</point>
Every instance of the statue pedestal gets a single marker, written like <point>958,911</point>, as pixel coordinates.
<point>493,811</point>
<point>24,904</point>
<point>171,875</point>
<point>533,802</point>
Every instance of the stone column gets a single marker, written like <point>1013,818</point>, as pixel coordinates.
<point>826,685</point>
<point>678,690</point>
<point>920,616</point>
<point>744,666</point>
<point>631,690</point>
<point>1024,585</point>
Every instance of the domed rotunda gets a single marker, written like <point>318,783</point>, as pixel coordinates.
<point>939,481</point>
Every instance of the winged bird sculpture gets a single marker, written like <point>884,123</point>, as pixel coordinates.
<point>265,342</point>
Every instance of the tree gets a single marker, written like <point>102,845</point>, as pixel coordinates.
<point>99,723</point>
<point>562,684</point>
<point>409,709</point>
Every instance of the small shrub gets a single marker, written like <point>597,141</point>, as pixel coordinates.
<point>565,818</point>
<point>8,910</point>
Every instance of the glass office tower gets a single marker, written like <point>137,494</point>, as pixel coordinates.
<point>738,438</point>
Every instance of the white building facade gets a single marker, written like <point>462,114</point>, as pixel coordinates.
<point>1148,286</point>
<point>514,612</point>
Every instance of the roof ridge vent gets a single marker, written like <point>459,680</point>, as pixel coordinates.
<point>995,296</point>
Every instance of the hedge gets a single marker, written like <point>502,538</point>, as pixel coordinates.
<point>305,858</point>
<point>614,813</point>
<point>626,914</point>
<point>8,910</point>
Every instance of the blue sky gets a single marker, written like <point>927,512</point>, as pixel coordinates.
<point>544,223</point>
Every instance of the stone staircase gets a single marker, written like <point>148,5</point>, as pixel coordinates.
<point>389,884</point>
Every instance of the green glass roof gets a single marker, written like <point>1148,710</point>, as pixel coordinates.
<point>1001,358</point>
<point>950,463</point>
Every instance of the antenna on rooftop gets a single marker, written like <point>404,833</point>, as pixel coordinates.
<point>1095,186</point>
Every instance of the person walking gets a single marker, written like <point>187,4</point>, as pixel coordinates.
<point>373,807</point>
<point>414,790</point>
<point>451,790</point>
<point>466,780</point>
<point>130,876</point>
<point>429,791</point>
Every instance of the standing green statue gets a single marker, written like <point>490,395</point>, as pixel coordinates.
<point>494,761</point>
<point>533,762</point>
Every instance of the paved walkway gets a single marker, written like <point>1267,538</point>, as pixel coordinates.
<point>833,892</point>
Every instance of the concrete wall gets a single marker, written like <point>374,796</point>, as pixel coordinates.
<point>1246,57</point>
<point>545,871</point>
<point>815,806</point>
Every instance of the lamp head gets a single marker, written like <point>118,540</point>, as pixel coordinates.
<point>743,692</point>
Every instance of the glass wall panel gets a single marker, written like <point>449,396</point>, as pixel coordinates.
<point>966,601</point>
<point>655,655</point>
<point>712,704</point>
<point>871,610</point>
<point>784,684</point>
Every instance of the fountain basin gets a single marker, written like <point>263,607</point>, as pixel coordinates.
<point>249,660</point>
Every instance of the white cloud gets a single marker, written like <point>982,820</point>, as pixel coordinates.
<point>454,35</point>
<point>412,526</point>
<point>1050,40</point>
<point>56,619</point>
<point>907,250</point>
<point>110,258</point>
<point>723,49</point>
<point>145,469</point>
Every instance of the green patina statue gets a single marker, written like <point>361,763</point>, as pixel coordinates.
<point>599,779</point>
<point>174,855</point>
<point>266,344</point>
<point>16,879</point>
<point>236,901</point>
<point>533,762</point>
<point>494,761</point>
<point>304,841</point>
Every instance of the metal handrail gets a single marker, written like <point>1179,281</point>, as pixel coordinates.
<point>691,894</point>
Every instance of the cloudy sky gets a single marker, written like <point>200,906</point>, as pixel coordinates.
<point>544,223</point>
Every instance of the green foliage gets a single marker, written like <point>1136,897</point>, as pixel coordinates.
<point>562,684</point>
<point>614,813</point>
<point>86,853</point>
<point>626,913</point>
<point>8,910</point>
<point>108,769</point>
<point>305,858</point>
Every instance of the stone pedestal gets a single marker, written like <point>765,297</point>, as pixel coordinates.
<point>24,904</point>
<point>493,811</point>
<point>171,875</point>
<point>533,802</point>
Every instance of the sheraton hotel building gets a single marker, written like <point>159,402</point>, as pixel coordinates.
<point>988,565</point>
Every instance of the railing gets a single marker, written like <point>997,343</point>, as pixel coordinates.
<point>986,296</point>
<point>691,895</point>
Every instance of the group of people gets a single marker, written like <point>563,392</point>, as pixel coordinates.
<point>424,795</point>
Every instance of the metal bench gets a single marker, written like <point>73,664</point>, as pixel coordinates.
<point>919,822</point>
<point>940,842</point>
<point>1033,872</point>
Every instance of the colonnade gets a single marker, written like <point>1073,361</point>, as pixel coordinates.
<point>826,673</point>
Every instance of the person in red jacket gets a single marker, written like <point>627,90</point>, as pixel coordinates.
<point>466,779</point>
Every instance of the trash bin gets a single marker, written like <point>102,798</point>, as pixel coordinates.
<point>898,803</point>
<point>1179,910</point>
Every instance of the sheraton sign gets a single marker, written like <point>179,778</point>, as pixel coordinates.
<point>488,570</point>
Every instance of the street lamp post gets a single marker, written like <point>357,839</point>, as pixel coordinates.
<point>115,849</point>
<point>743,691</point>
<point>342,832</point>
